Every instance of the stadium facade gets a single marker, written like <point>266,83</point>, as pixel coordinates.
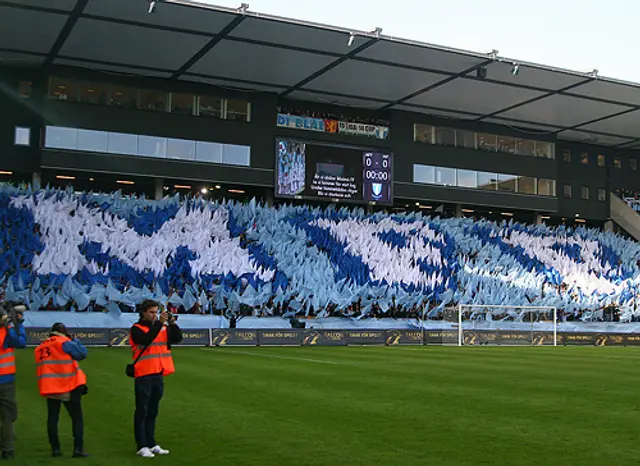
<point>109,96</point>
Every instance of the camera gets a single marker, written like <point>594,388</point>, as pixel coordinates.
<point>10,311</point>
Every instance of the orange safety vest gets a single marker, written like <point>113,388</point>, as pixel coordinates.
<point>57,371</point>
<point>156,358</point>
<point>7,356</point>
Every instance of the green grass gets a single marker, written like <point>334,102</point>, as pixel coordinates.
<point>380,406</point>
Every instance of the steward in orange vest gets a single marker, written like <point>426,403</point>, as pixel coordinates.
<point>61,380</point>
<point>12,336</point>
<point>151,338</point>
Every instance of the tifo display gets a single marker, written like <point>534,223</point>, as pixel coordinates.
<point>62,250</point>
<point>314,171</point>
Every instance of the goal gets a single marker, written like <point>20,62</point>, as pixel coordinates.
<point>507,325</point>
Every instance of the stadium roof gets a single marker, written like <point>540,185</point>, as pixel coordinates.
<point>193,41</point>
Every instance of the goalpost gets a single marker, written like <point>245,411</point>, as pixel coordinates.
<point>480,324</point>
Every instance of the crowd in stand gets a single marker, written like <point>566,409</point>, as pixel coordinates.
<point>631,197</point>
<point>334,116</point>
<point>107,252</point>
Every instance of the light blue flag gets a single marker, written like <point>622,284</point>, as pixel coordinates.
<point>175,299</point>
<point>10,293</point>
<point>188,300</point>
<point>112,292</point>
<point>113,309</point>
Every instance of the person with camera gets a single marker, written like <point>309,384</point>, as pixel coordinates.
<point>151,338</point>
<point>61,381</point>
<point>12,336</point>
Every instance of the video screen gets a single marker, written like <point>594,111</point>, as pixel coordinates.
<point>316,171</point>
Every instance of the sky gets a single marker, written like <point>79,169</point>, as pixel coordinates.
<point>580,35</point>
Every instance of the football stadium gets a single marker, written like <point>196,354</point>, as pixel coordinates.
<point>350,248</point>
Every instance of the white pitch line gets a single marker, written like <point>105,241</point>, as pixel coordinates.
<point>274,356</point>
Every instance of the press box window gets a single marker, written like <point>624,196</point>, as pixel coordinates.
<point>63,89</point>
<point>617,162</point>
<point>423,133</point>
<point>446,136</point>
<point>602,195</point>
<point>601,160</point>
<point>22,136</point>
<point>567,191</point>
<point>93,93</point>
<point>210,106</point>
<point>566,155</point>
<point>633,164</point>
<point>238,110</point>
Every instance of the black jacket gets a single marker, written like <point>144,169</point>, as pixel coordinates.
<point>139,337</point>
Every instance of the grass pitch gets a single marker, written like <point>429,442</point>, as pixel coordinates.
<point>376,406</point>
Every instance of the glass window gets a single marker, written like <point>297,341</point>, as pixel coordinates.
<point>567,191</point>
<point>150,146</point>
<point>445,176</point>
<point>24,89</point>
<point>526,147</point>
<point>92,141</point>
<point>584,158</point>
<point>487,181</point>
<point>57,137</point>
<point>602,194</point>
<point>63,89</point>
<point>182,104</point>
<point>22,136</point>
<point>122,143</point>
<point>210,106</point>
<point>506,144</point>
<point>93,93</point>
<point>527,185</point>
<point>237,110</point>
<point>546,187</point>
<point>601,160</point>
<point>487,141</point>
<point>446,136</point>
<point>507,183</point>
<point>617,162</point>
<point>122,96</point>
<point>566,155</point>
<point>423,133</point>
<point>236,155</point>
<point>467,179</point>
<point>153,100</point>
<point>544,149</point>
<point>633,164</point>
<point>181,149</point>
<point>466,139</point>
<point>585,193</point>
<point>209,152</point>
<point>423,174</point>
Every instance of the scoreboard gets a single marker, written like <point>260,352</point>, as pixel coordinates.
<point>376,177</point>
<point>309,170</point>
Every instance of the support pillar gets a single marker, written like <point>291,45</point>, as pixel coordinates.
<point>608,226</point>
<point>268,197</point>
<point>36,180</point>
<point>538,219</point>
<point>458,210</point>
<point>159,189</point>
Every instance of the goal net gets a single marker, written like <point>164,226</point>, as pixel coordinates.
<point>506,325</point>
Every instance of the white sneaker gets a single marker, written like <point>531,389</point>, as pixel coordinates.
<point>145,453</point>
<point>158,450</point>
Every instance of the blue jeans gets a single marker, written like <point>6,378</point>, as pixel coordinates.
<point>149,390</point>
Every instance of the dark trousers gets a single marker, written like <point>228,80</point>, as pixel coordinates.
<point>8,415</point>
<point>149,391</point>
<point>74,408</point>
